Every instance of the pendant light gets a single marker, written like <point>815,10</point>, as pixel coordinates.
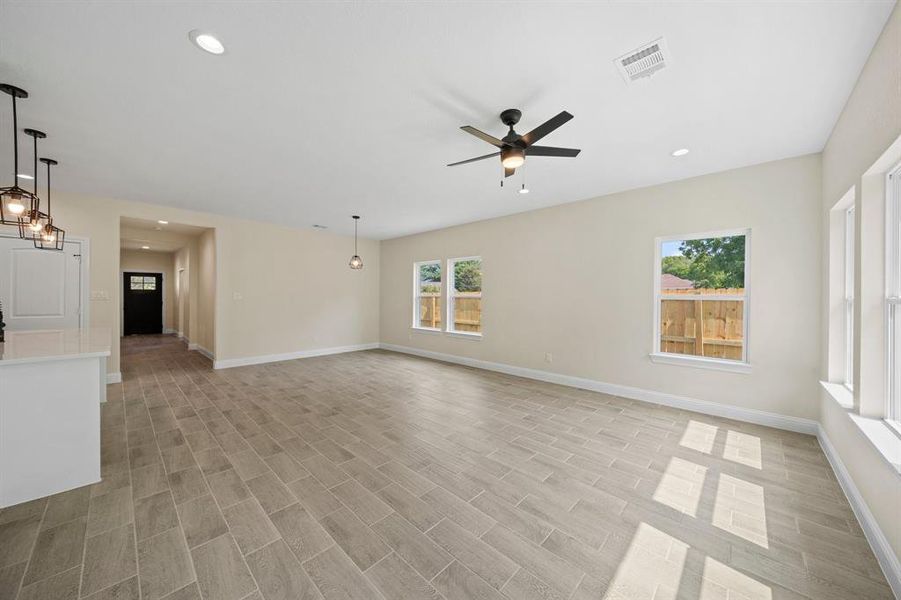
<point>355,262</point>
<point>34,221</point>
<point>15,203</point>
<point>50,237</point>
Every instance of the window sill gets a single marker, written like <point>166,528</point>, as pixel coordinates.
<point>700,363</point>
<point>425,330</point>
<point>841,394</point>
<point>465,334</point>
<point>881,435</point>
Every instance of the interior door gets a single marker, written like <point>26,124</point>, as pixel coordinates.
<point>40,289</point>
<point>143,303</point>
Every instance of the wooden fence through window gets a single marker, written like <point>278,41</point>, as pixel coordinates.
<point>703,327</point>
<point>467,311</point>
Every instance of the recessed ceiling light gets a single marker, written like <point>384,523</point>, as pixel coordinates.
<point>163,222</point>
<point>145,247</point>
<point>24,176</point>
<point>206,41</point>
<point>681,152</point>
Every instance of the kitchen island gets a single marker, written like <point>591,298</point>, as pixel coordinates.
<point>52,383</point>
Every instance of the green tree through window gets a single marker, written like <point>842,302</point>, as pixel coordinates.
<point>710,263</point>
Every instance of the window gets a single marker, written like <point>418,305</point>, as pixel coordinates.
<point>701,304</point>
<point>849,298</point>
<point>427,291</point>
<point>893,296</point>
<point>464,295</point>
<point>142,283</point>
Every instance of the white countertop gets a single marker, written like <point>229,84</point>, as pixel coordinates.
<point>54,344</point>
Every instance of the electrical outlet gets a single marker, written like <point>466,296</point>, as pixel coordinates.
<point>237,296</point>
<point>548,357</point>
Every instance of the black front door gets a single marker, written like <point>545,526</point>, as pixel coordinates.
<point>143,303</point>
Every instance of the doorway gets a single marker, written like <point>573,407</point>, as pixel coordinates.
<point>143,303</point>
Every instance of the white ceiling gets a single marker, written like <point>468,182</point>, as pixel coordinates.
<point>322,110</point>
<point>134,234</point>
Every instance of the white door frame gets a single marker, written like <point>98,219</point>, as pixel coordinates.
<point>84,275</point>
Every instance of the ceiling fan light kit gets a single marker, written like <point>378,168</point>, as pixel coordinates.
<point>513,148</point>
<point>19,207</point>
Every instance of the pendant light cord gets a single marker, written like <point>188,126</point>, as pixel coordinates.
<point>355,236</point>
<point>15,144</point>
<point>35,166</point>
<point>49,219</point>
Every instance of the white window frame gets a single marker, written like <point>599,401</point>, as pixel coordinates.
<point>417,291</point>
<point>450,295</point>
<point>892,295</point>
<point>721,364</point>
<point>848,371</point>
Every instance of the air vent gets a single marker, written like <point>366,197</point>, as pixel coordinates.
<point>643,61</point>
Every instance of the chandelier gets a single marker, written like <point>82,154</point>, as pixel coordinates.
<point>355,261</point>
<point>20,207</point>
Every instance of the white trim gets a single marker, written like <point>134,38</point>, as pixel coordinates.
<point>745,299</point>
<point>198,348</point>
<point>700,362</point>
<point>426,330</point>
<point>113,378</point>
<point>891,567</point>
<point>269,358</point>
<point>749,415</point>
<point>472,335</point>
<point>180,334</point>
<point>168,331</point>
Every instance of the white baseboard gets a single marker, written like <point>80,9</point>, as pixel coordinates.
<point>268,358</point>
<point>202,350</point>
<point>168,331</point>
<point>891,567</point>
<point>749,415</point>
<point>180,334</point>
<point>113,378</point>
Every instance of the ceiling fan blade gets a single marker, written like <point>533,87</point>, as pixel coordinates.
<point>551,151</point>
<point>545,128</point>
<point>463,162</point>
<point>508,172</point>
<point>482,135</point>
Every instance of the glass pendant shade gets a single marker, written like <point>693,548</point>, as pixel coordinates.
<point>356,262</point>
<point>512,157</point>
<point>15,202</point>
<point>49,236</point>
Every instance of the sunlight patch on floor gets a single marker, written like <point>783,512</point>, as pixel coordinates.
<point>643,573</point>
<point>681,486</point>
<point>721,582</point>
<point>699,436</point>
<point>743,449</point>
<point>740,509</point>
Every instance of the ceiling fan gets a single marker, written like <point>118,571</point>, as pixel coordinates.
<point>513,148</point>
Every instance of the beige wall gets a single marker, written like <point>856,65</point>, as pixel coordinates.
<point>155,262</point>
<point>296,291</point>
<point>206,290</point>
<point>867,127</point>
<point>183,291</point>
<point>576,281</point>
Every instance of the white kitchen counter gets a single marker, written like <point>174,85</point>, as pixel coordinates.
<point>51,386</point>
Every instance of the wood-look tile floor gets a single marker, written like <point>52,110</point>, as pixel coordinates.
<point>376,475</point>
